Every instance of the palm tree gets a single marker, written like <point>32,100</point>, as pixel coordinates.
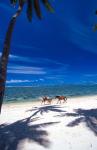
<point>6,49</point>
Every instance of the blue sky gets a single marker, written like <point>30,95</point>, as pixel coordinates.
<point>59,49</point>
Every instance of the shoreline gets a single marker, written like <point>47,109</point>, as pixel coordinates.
<point>39,101</point>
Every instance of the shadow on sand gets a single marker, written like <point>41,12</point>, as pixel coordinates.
<point>89,117</point>
<point>46,109</point>
<point>11,135</point>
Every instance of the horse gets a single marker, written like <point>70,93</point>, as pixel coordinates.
<point>46,99</point>
<point>60,98</point>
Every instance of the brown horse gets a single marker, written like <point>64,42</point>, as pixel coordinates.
<point>61,98</point>
<point>47,100</point>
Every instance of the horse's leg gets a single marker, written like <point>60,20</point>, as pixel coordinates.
<point>58,101</point>
<point>44,102</point>
<point>64,100</point>
<point>41,102</point>
<point>50,101</point>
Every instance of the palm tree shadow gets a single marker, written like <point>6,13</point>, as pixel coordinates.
<point>11,135</point>
<point>45,109</point>
<point>89,117</point>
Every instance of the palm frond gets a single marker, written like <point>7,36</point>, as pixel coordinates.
<point>33,4</point>
<point>21,2</point>
<point>48,5</point>
<point>13,2</point>
<point>95,28</point>
<point>96,12</point>
<point>37,8</point>
<point>29,9</point>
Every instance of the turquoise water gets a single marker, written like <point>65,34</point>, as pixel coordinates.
<point>19,94</point>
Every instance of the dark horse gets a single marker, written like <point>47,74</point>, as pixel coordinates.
<point>46,99</point>
<point>61,98</point>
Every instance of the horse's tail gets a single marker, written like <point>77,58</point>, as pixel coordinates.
<point>42,100</point>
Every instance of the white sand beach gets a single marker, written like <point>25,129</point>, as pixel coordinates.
<point>32,126</point>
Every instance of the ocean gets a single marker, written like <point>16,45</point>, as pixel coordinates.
<point>19,94</point>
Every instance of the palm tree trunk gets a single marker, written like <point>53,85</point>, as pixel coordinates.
<point>5,54</point>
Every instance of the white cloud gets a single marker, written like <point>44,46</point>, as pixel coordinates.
<point>35,70</point>
<point>23,81</point>
<point>25,70</point>
<point>36,60</point>
<point>18,81</point>
<point>41,79</point>
<point>18,58</point>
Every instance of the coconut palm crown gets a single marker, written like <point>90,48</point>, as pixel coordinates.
<point>33,4</point>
